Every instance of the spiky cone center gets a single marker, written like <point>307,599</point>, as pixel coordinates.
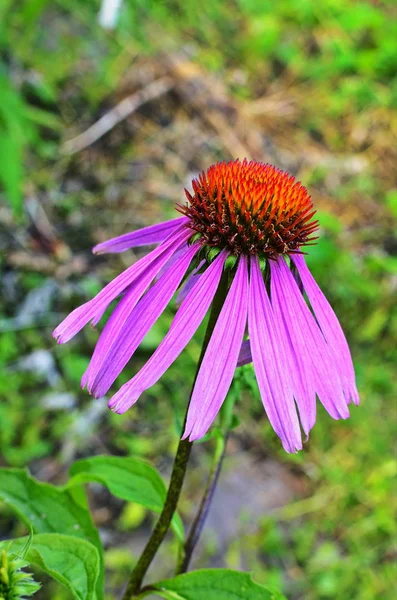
<point>250,208</point>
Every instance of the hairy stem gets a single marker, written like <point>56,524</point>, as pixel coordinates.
<point>178,470</point>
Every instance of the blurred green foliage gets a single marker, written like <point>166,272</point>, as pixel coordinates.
<point>338,59</point>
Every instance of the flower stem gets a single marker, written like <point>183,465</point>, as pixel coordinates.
<point>164,521</point>
<point>205,504</point>
<point>178,470</point>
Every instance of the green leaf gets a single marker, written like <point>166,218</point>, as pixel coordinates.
<point>4,8</point>
<point>11,169</point>
<point>215,584</point>
<point>47,509</point>
<point>43,117</point>
<point>15,132</point>
<point>74,562</point>
<point>126,478</point>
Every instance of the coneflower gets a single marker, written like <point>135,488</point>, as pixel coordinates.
<point>247,220</point>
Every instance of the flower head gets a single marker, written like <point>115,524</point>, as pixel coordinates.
<point>15,584</point>
<point>250,208</point>
<point>252,220</point>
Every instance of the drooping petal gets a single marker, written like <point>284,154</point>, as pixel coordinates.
<point>270,369</point>
<point>172,260</point>
<point>121,313</point>
<point>330,327</point>
<point>189,284</point>
<point>314,371</point>
<point>94,309</point>
<point>138,323</point>
<point>154,234</point>
<point>297,359</point>
<point>188,318</point>
<point>245,356</point>
<point>123,310</point>
<point>220,359</point>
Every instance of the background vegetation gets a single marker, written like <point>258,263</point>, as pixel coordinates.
<point>308,86</point>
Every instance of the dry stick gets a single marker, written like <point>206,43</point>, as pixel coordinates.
<point>197,92</point>
<point>121,111</point>
<point>179,468</point>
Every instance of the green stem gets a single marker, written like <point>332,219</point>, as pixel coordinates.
<point>164,521</point>
<point>225,424</point>
<point>205,504</point>
<point>178,470</point>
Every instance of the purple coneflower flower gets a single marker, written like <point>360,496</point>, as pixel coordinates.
<point>252,220</point>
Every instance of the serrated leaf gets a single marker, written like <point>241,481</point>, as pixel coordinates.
<point>215,584</point>
<point>48,509</point>
<point>126,478</point>
<point>71,561</point>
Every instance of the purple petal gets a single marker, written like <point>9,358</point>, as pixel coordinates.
<point>138,323</point>
<point>119,317</point>
<point>154,234</point>
<point>220,360</point>
<point>297,359</point>
<point>330,327</point>
<point>313,370</point>
<point>245,356</point>
<point>94,309</point>
<point>186,321</point>
<point>268,356</point>
<point>170,263</point>
<point>194,277</point>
